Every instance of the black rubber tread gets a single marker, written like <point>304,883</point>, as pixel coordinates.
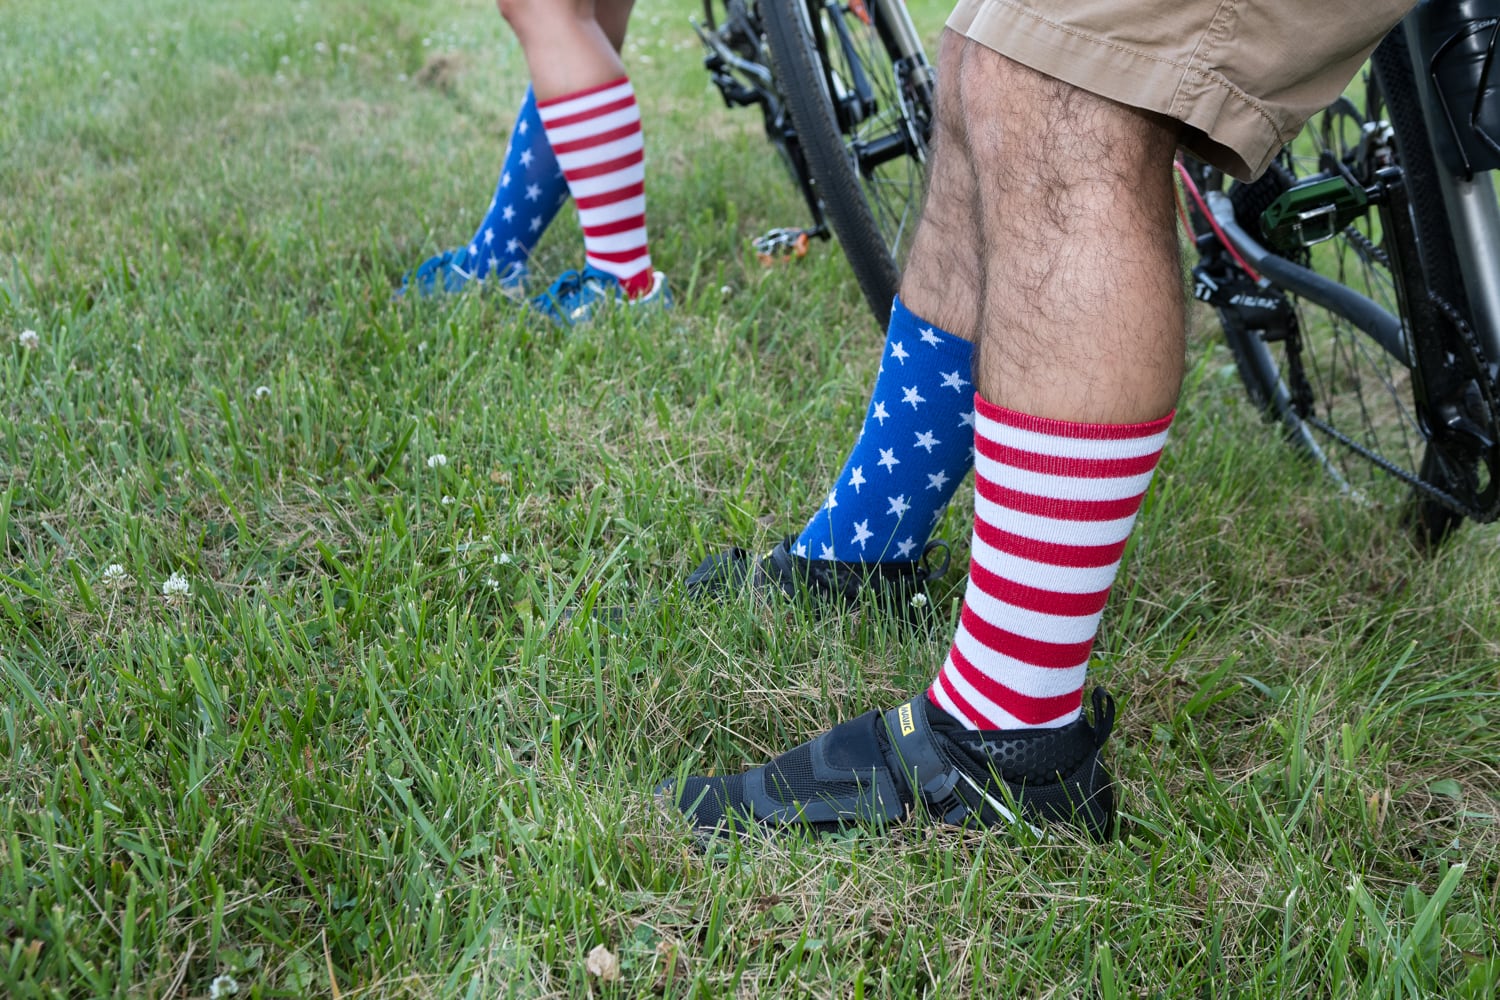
<point>1392,65</point>
<point>799,65</point>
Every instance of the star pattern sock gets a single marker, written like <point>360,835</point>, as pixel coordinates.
<point>528,195</point>
<point>1054,503</point>
<point>596,134</point>
<point>916,446</point>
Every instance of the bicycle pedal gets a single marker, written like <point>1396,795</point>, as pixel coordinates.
<point>781,243</point>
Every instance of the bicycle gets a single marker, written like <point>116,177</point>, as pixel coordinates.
<point>846,94</point>
<point>1358,281</point>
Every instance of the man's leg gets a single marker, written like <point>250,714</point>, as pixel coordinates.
<point>1078,310</point>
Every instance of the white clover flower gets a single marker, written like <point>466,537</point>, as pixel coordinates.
<point>449,501</point>
<point>503,559</point>
<point>725,291</point>
<point>176,585</point>
<point>422,347</point>
<point>919,600</point>
<point>492,583</point>
<point>262,392</point>
<point>437,460</point>
<point>222,986</point>
<point>29,339</point>
<point>115,576</point>
<point>321,48</point>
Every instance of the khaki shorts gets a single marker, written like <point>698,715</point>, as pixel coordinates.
<point>1242,75</point>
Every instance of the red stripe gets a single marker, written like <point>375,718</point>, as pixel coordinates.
<point>617,256</point>
<point>1031,711</point>
<point>607,167</point>
<point>968,711</point>
<point>615,228</point>
<point>1062,510</point>
<point>1063,428</point>
<point>549,102</point>
<point>639,283</point>
<point>611,197</point>
<point>1047,602</point>
<point>1051,553</point>
<point>561,121</point>
<point>1057,465</point>
<point>1035,652</point>
<point>589,142</point>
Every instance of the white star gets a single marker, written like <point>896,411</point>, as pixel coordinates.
<point>929,337</point>
<point>888,459</point>
<point>899,506</point>
<point>936,480</point>
<point>521,127</point>
<point>536,223</point>
<point>489,236</point>
<point>512,245</point>
<point>937,514</point>
<point>954,381</point>
<point>505,179</point>
<point>800,550</point>
<point>926,440</point>
<point>879,413</point>
<point>825,553</point>
<point>534,191</point>
<point>526,158</point>
<point>910,395</point>
<point>904,548</point>
<point>966,419</point>
<point>832,501</point>
<point>473,250</point>
<point>508,214</point>
<point>862,533</point>
<point>899,353</point>
<point>857,477</point>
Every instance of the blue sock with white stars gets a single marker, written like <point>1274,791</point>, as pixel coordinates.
<point>916,446</point>
<point>528,195</point>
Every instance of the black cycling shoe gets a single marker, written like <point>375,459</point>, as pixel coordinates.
<point>873,770</point>
<point>784,572</point>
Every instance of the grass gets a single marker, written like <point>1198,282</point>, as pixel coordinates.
<point>364,756</point>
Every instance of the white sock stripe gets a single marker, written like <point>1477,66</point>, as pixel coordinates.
<point>1054,487</point>
<point>588,187</point>
<point>559,134</point>
<point>1032,624</point>
<point>620,269</point>
<point>630,208</point>
<point>998,715</point>
<point>1023,678</point>
<point>586,102</point>
<point>1065,447</point>
<point>946,703</point>
<point>580,158</point>
<point>1051,529</point>
<point>1059,579</point>
<point>617,242</point>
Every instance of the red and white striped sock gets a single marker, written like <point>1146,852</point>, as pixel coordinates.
<point>1054,503</point>
<point>596,134</point>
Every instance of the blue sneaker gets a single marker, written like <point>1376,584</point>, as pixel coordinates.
<point>576,295</point>
<point>450,272</point>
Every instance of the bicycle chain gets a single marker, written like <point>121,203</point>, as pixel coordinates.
<point>1488,385</point>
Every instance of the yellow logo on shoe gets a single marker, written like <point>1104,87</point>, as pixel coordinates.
<point>908,725</point>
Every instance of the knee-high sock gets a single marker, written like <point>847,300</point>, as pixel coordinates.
<point>596,134</point>
<point>914,449</point>
<point>1054,504</point>
<point>528,194</point>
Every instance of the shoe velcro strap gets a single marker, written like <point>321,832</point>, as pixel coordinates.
<point>946,792</point>
<point>839,793</point>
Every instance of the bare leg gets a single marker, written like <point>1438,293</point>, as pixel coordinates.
<point>1082,312</point>
<point>566,49</point>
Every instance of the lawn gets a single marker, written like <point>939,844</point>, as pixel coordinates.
<point>290,695</point>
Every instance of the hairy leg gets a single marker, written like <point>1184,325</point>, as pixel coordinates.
<point>1081,311</point>
<point>566,49</point>
<point>943,277</point>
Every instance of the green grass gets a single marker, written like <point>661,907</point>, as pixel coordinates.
<point>364,758</point>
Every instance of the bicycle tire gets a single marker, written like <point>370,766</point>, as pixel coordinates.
<point>1359,391</point>
<point>873,236</point>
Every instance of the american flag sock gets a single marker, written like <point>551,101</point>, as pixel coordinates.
<point>528,195</point>
<point>916,446</point>
<point>596,134</point>
<point>1054,503</point>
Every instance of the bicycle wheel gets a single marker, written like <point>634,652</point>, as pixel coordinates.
<point>860,92</point>
<point>1350,397</point>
